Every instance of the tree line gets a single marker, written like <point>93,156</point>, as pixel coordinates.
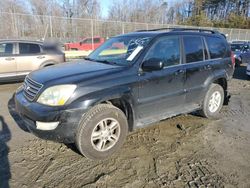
<point>214,13</point>
<point>59,18</point>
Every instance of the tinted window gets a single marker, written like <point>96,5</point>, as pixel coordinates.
<point>27,48</point>
<point>97,40</point>
<point>6,49</point>
<point>236,47</point>
<point>245,47</point>
<point>166,49</point>
<point>216,47</point>
<point>193,46</point>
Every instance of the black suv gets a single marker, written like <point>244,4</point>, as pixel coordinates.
<point>131,81</point>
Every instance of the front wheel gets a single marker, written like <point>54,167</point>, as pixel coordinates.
<point>213,102</point>
<point>101,132</point>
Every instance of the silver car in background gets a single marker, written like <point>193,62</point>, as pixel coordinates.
<point>19,57</point>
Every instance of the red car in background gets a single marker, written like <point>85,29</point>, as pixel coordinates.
<point>85,44</point>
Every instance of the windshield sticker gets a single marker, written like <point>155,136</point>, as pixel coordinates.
<point>135,52</point>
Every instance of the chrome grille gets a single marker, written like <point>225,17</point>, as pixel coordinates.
<point>31,88</point>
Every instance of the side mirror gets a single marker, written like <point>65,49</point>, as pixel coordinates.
<point>152,64</point>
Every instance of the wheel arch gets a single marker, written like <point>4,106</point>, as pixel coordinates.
<point>221,80</point>
<point>47,63</point>
<point>120,97</point>
<point>124,105</point>
<point>219,77</point>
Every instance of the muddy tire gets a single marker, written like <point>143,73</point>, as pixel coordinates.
<point>101,132</point>
<point>213,102</point>
<point>248,77</point>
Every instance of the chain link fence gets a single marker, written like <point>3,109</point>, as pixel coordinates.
<point>38,27</point>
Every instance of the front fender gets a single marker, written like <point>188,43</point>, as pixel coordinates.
<point>122,93</point>
<point>91,99</point>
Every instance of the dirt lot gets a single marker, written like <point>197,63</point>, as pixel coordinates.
<point>185,151</point>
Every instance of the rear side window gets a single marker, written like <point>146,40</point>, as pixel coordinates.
<point>28,48</point>
<point>194,50</point>
<point>87,41</point>
<point>6,49</point>
<point>217,47</point>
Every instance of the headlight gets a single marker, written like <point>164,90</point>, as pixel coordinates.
<point>56,95</point>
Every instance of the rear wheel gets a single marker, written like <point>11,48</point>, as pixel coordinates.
<point>101,132</point>
<point>213,102</point>
<point>248,76</point>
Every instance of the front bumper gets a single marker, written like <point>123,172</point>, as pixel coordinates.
<point>68,119</point>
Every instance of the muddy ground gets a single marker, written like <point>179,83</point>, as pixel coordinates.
<point>185,151</point>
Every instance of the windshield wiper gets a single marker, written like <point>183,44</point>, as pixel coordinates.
<point>89,59</point>
<point>106,62</point>
<point>101,61</point>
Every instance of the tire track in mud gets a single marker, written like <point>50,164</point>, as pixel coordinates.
<point>49,164</point>
<point>189,173</point>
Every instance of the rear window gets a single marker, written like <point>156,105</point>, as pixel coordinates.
<point>87,41</point>
<point>193,46</point>
<point>97,40</point>
<point>51,48</point>
<point>28,48</point>
<point>216,47</point>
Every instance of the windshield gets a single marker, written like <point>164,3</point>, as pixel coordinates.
<point>119,50</point>
<point>236,47</point>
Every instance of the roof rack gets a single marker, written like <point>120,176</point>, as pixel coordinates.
<point>158,29</point>
<point>181,29</point>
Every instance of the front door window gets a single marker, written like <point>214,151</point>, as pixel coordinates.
<point>167,49</point>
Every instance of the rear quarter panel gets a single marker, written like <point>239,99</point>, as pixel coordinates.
<point>51,59</point>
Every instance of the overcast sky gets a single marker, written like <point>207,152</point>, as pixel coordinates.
<point>106,3</point>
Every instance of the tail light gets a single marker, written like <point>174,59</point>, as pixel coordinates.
<point>66,47</point>
<point>64,57</point>
<point>233,58</point>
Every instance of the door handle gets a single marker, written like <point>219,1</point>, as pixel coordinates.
<point>181,71</point>
<point>40,57</point>
<point>9,58</point>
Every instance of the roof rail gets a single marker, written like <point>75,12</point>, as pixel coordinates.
<point>158,29</point>
<point>181,29</point>
<point>196,29</point>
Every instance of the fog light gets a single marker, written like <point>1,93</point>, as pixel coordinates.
<point>46,126</point>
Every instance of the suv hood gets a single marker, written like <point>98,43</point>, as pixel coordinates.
<point>73,72</point>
